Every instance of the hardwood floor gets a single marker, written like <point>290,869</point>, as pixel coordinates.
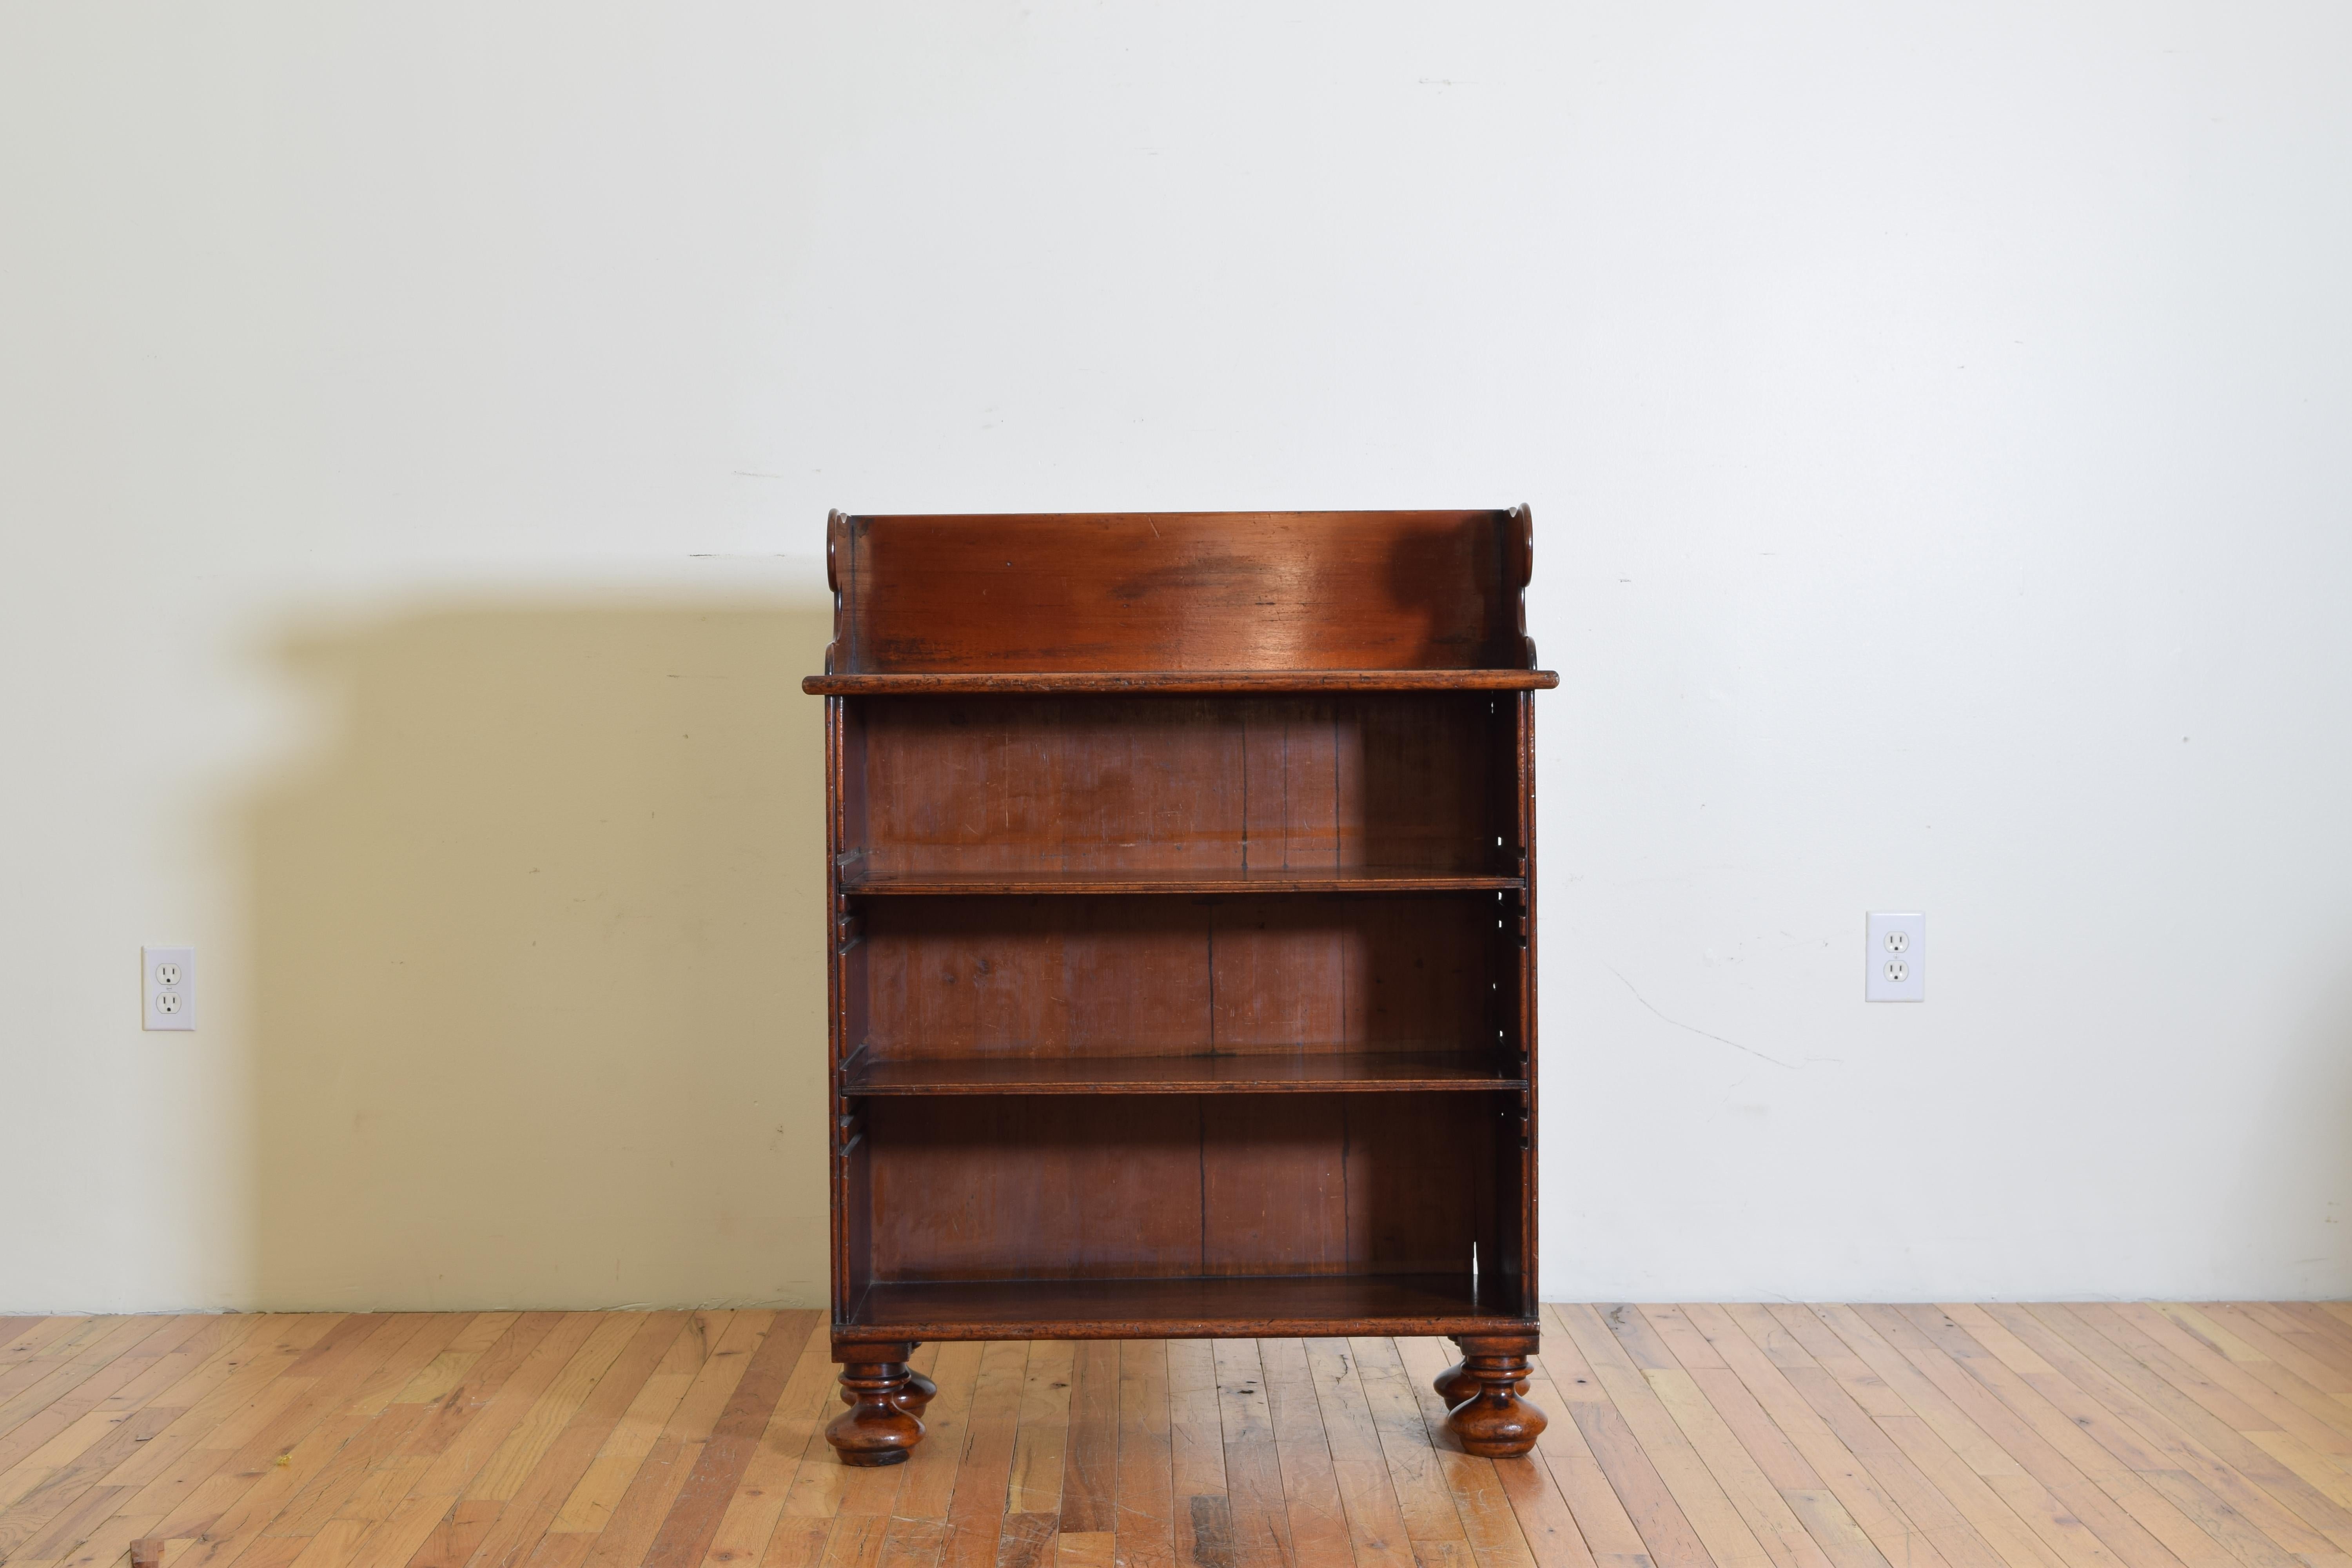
<point>1745,1437</point>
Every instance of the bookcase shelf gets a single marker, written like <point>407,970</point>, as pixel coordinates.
<point>1183,940</point>
<point>1283,880</point>
<point>1350,1072</point>
<point>1177,682</point>
<point>1245,1307</point>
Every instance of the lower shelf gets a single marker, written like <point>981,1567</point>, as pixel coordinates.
<point>1311,1305</point>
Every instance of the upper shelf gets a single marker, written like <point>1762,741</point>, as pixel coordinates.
<point>1233,880</point>
<point>1177,682</point>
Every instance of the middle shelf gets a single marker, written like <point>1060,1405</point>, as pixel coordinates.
<point>1260,1073</point>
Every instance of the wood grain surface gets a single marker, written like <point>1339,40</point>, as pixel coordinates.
<point>1181,923</point>
<point>1173,592</point>
<point>2217,1435</point>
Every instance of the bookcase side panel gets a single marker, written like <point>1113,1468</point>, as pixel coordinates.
<point>846,990</point>
<point>1517,1156</point>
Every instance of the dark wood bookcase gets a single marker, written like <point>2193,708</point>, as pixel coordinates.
<point>1182,926</point>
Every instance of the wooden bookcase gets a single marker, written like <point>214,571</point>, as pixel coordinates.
<point>1183,940</point>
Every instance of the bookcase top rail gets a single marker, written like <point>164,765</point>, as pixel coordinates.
<point>1136,682</point>
<point>1144,597</point>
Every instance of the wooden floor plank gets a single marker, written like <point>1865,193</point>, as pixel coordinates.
<point>2138,1525</point>
<point>1259,1515</point>
<point>1818,1497</point>
<point>1316,1513</point>
<point>916,1543</point>
<point>76,1417</point>
<point>284,1408</point>
<point>693,1518</point>
<point>2315,1328</point>
<point>861,1523</point>
<point>538,1489</point>
<point>2293,1405</point>
<point>724,1346</point>
<point>1091,1471</point>
<point>1641,1491</point>
<point>1599,1514</point>
<point>1489,1523</point>
<point>918,1520</point>
<point>2317,1374</point>
<point>476,1334</point>
<point>821,1484</point>
<point>1729,1541</point>
<point>1041,1442</point>
<point>56,1425</point>
<point>983,1476</point>
<point>546,1417</point>
<point>1955,1456</point>
<point>189,1453</point>
<point>599,1490</point>
<point>2310,1328</point>
<point>2258,1530</point>
<point>333,1484</point>
<point>1433,1523</point>
<point>2097,1448</point>
<point>1905,1514</point>
<point>1196,1442</point>
<point>14,1329</point>
<point>811,1396</point>
<point>86,1349</point>
<point>1144,1528</point>
<point>2106,1349</point>
<point>2212,1435</point>
<point>1027,1541</point>
<point>302,1444</point>
<point>166,1379</point>
<point>1376,1525</point>
<point>1761,1506</point>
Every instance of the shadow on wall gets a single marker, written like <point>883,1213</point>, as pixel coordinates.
<point>539,990</point>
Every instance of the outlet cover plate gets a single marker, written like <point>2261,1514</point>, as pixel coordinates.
<point>1894,960</point>
<point>168,987</point>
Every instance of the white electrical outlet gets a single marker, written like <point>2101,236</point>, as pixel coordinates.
<point>1894,966</point>
<point>169,984</point>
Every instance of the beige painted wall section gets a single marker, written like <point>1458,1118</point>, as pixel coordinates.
<point>536,997</point>
<point>416,425</point>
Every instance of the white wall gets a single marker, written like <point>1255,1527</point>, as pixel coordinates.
<point>417,425</point>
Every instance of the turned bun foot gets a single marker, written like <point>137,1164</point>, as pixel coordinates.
<point>877,1428</point>
<point>918,1393</point>
<point>1493,1422</point>
<point>1455,1384</point>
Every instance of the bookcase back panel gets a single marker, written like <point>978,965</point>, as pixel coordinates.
<point>1181,591</point>
<point>1177,783</point>
<point>1007,1187</point>
<point>1160,975</point>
